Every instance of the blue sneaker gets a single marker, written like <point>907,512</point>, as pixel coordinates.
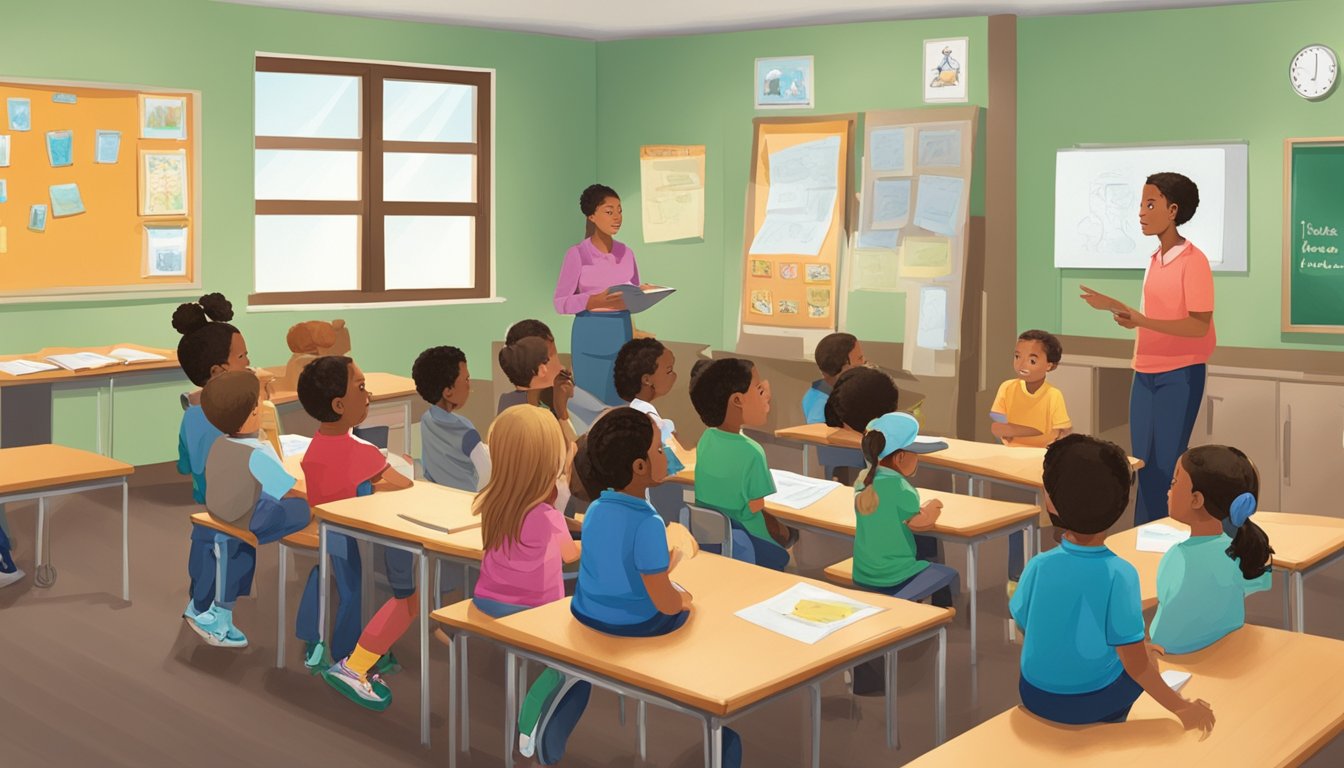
<point>215,626</point>
<point>191,612</point>
<point>553,730</point>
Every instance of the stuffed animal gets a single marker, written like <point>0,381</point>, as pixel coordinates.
<point>310,340</point>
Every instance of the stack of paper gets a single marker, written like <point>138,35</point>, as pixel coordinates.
<point>1159,538</point>
<point>25,367</point>
<point>80,361</point>
<point>294,445</point>
<point>134,355</point>
<point>798,491</point>
<point>807,613</point>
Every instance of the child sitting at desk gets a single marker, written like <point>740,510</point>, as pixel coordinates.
<point>1084,659</point>
<point>533,368</point>
<point>1203,581</point>
<point>525,539</point>
<point>645,370</point>
<point>732,476</point>
<point>451,449</point>
<point>246,486</point>
<point>835,354</point>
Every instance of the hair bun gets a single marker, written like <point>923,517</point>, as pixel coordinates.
<point>189,318</point>
<point>217,307</point>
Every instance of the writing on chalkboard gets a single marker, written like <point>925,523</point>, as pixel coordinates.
<point>1316,247</point>
<point>1314,240</point>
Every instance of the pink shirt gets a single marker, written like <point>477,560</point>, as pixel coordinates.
<point>587,271</point>
<point>528,571</point>
<point>1174,287</point>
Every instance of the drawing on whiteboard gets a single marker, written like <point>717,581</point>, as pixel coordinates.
<point>1110,201</point>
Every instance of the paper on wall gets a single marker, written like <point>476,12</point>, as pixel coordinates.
<point>938,203</point>
<point>890,203</point>
<point>874,270</point>
<point>925,257</point>
<point>800,204</point>
<point>932,331</point>
<point>672,189</point>
<point>888,151</point>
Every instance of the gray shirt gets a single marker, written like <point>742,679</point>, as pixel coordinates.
<point>446,441</point>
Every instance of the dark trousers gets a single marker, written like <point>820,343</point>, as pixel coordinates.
<point>1108,705</point>
<point>1162,412</point>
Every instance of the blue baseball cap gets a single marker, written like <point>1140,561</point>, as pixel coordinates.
<point>901,431</point>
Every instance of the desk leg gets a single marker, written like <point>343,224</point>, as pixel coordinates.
<point>971,575</point>
<point>940,692</point>
<point>322,583</point>
<point>807,454</point>
<point>462,686</point>
<point>281,567</point>
<point>452,703</point>
<point>1287,602</point>
<point>643,741</point>
<point>620,707</point>
<point>816,724</point>
<point>125,540</point>
<point>424,649</point>
<point>893,738</point>
<point>510,709</point>
<point>707,741</point>
<point>111,415</point>
<point>1299,610</point>
<point>406,432</point>
<point>716,743</point>
<point>39,559</point>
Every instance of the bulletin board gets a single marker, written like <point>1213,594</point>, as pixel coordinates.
<point>130,224</point>
<point>798,289</point>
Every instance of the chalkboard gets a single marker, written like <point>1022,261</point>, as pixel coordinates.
<point>1313,268</point>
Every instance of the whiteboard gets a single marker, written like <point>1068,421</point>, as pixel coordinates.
<point>1097,196</point>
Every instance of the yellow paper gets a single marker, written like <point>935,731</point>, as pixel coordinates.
<point>822,612</point>
<point>924,257</point>
<point>672,187</point>
<point>4,239</point>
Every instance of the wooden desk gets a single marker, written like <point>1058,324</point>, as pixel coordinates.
<point>25,401</point>
<point>1302,544</point>
<point>387,391</point>
<point>1278,697</point>
<point>377,519</point>
<point>717,667</point>
<point>43,471</point>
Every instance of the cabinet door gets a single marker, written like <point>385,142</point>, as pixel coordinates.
<point>1075,382</point>
<point>1243,413</point>
<point>1313,448</point>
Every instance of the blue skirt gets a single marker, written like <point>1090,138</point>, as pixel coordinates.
<point>596,339</point>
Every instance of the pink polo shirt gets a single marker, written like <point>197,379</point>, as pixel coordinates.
<point>1174,287</point>
<point>587,271</point>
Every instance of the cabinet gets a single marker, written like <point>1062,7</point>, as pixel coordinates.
<point>1312,444</point>
<point>1244,414</point>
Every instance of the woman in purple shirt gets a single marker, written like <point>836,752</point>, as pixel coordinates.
<point>601,320</point>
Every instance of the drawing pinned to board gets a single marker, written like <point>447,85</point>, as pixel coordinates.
<point>760,268</point>
<point>65,200</point>
<point>875,271</point>
<point>163,183</point>
<point>672,190</point>
<point>163,117</point>
<point>4,151</point>
<point>818,302</point>
<point>888,151</point>
<point>891,203</point>
<point>818,273</point>
<point>932,332</point>
<point>784,83</point>
<point>878,240</point>
<point>938,203</point>
<point>63,98</point>
<point>926,257</point>
<point>165,251</point>
<point>788,271</point>
<point>107,146</point>
<point>940,147</point>
<point>945,70</point>
<point>37,218</point>
<point>4,190</point>
<point>60,148</point>
<point>788,307</point>
<point>760,303</point>
<point>20,114</point>
<point>800,205</point>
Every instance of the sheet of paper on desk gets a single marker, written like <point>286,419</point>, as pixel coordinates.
<point>24,367</point>
<point>294,445</point>
<point>798,491</point>
<point>135,355</point>
<point>1159,538</point>
<point>1175,679</point>
<point>821,613</point>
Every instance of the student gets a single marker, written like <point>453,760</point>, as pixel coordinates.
<point>1029,411</point>
<point>624,586</point>
<point>1084,659</point>
<point>9,572</point>
<point>731,474</point>
<point>451,449</point>
<point>834,355</point>
<point>209,346</point>
<point>525,538</point>
<point>1203,581</point>
<point>645,371</point>
<point>533,368</point>
<point>338,465</point>
<point>246,486</point>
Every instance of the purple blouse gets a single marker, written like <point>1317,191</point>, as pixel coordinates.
<point>587,271</point>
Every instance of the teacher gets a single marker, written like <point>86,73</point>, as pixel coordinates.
<point>601,321</point>
<point>1175,338</point>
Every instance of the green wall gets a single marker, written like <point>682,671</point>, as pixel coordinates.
<point>545,142</point>
<point>1195,75</point>
<point>698,90</point>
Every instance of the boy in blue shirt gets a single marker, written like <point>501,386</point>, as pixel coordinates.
<point>1084,657</point>
<point>451,448</point>
<point>835,354</point>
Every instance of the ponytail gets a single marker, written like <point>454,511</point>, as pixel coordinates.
<point>1250,548</point>
<point>874,442</point>
<point>1230,483</point>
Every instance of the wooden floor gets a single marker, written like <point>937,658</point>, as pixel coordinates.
<point>90,680</point>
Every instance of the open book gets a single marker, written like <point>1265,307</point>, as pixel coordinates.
<point>638,299</point>
<point>135,356</point>
<point>25,367</point>
<point>82,361</point>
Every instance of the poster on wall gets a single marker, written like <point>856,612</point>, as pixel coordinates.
<point>945,71</point>
<point>784,83</point>
<point>672,192</point>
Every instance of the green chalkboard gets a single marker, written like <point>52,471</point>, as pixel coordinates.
<point>1314,238</point>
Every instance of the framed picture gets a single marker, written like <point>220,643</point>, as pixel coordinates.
<point>163,117</point>
<point>163,182</point>
<point>945,70</point>
<point>60,148</point>
<point>784,83</point>
<point>165,250</point>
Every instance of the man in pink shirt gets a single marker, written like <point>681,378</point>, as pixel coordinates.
<point>1174,340</point>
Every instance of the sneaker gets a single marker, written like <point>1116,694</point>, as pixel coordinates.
<point>215,626</point>
<point>315,658</point>
<point>387,665</point>
<point>9,578</point>
<point>356,688</point>
<point>190,612</point>
<point>526,746</point>
<point>1011,588</point>
<point>554,727</point>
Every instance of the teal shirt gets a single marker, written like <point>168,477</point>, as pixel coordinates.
<point>731,471</point>
<point>1201,594</point>
<point>1075,605</point>
<point>884,545</point>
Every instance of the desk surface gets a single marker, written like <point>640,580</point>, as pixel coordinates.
<point>60,374</point>
<point>381,386</point>
<point>380,512</point>
<point>1299,542</point>
<point>44,466</point>
<point>717,662</point>
<point>1020,465</point>
<point>1278,697</point>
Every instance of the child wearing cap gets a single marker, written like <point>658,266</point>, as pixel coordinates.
<point>1203,581</point>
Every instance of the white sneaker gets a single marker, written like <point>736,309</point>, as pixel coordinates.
<point>526,747</point>
<point>9,578</point>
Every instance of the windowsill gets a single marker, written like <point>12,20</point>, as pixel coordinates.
<point>370,305</point>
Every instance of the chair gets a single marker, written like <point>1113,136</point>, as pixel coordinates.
<point>842,573</point>
<point>697,519</point>
<point>270,426</point>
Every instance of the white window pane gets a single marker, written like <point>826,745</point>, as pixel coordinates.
<point>301,174</point>
<point>307,253</point>
<point>311,106</point>
<point>420,111</point>
<point>428,251</point>
<point>416,178</point>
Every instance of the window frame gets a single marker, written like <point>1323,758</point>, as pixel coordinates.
<point>371,208</point>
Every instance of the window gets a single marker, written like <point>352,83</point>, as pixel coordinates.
<point>372,182</point>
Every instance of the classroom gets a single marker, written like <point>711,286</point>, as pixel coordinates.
<point>965,388</point>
